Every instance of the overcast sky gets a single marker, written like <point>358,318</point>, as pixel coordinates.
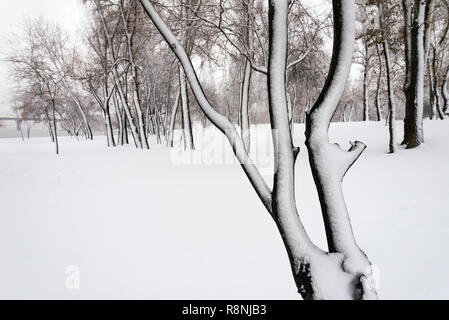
<point>69,13</point>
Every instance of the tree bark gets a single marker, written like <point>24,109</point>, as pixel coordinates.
<point>312,268</point>
<point>244,107</point>
<point>435,85</point>
<point>387,57</point>
<point>365,83</point>
<point>413,122</point>
<point>378,88</point>
<point>186,123</point>
<point>407,13</point>
<point>129,32</point>
<point>246,82</point>
<point>55,126</point>
<point>174,110</point>
<point>329,163</point>
<point>445,92</point>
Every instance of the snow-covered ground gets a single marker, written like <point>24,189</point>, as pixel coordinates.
<point>165,225</point>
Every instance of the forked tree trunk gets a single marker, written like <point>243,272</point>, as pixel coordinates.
<point>344,272</point>
<point>125,106</point>
<point>111,54</point>
<point>86,125</point>
<point>329,164</point>
<point>129,33</point>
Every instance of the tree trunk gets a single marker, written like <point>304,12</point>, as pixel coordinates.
<point>378,88</point>
<point>55,126</point>
<point>186,123</point>
<point>433,109</point>
<point>125,129</point>
<point>445,92</point>
<point>246,82</point>
<point>108,125</point>
<point>435,87</point>
<point>124,102</point>
<point>28,129</point>
<point>413,122</point>
<point>365,84</point>
<point>329,164</point>
<point>407,13</point>
<point>318,275</point>
<point>391,102</point>
<point>174,111</point>
<point>87,129</point>
<point>244,107</point>
<point>129,33</point>
<point>118,114</point>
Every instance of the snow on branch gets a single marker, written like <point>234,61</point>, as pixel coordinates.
<point>220,121</point>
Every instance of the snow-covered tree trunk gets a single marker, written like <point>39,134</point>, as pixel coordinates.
<point>413,122</point>
<point>330,163</point>
<point>379,84</point>
<point>174,111</point>
<point>365,83</point>
<point>125,129</point>
<point>186,14</point>
<point>186,123</point>
<point>125,106</point>
<point>246,82</point>
<point>28,129</point>
<point>351,111</point>
<point>428,21</point>
<point>108,125</point>
<point>156,128</point>
<point>433,109</point>
<point>111,54</point>
<point>436,85</point>
<point>129,33</point>
<point>342,273</point>
<point>391,103</point>
<point>118,114</point>
<point>54,125</point>
<point>407,14</point>
<point>87,128</point>
<point>445,92</point>
<point>244,106</point>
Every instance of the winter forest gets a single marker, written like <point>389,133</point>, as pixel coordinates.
<point>227,149</point>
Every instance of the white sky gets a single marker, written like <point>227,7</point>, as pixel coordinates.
<point>68,13</point>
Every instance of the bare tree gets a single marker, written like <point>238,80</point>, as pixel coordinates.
<point>311,266</point>
<point>417,20</point>
<point>383,25</point>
